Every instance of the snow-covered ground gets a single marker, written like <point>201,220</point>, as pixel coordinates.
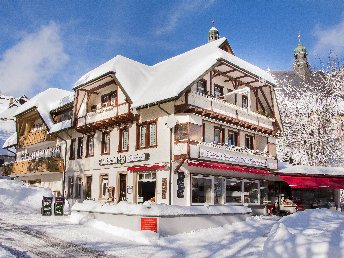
<point>313,233</point>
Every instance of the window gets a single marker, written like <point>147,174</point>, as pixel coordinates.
<point>219,135</point>
<point>80,147</point>
<point>90,146</point>
<point>232,138</point>
<point>218,190</point>
<point>78,188</point>
<point>72,149</point>
<point>104,183</point>
<point>105,143</point>
<point>244,101</point>
<point>201,190</point>
<point>201,86</point>
<point>181,132</point>
<point>88,187</point>
<point>249,141</point>
<point>233,190</point>
<point>218,91</point>
<point>146,187</point>
<point>109,99</point>
<point>251,191</point>
<point>70,187</point>
<point>146,135</point>
<point>124,139</point>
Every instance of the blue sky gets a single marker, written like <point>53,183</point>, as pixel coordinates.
<point>53,43</point>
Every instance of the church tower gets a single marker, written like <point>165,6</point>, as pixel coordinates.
<point>213,33</point>
<point>301,65</point>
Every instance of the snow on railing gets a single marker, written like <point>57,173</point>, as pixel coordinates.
<point>54,152</point>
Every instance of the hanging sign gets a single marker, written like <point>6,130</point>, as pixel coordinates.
<point>163,187</point>
<point>233,159</point>
<point>122,159</point>
<point>150,224</point>
<point>180,185</point>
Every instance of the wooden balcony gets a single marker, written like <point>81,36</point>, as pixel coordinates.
<point>104,117</point>
<point>226,112</point>
<point>35,166</point>
<point>34,138</point>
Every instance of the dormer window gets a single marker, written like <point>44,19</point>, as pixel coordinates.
<point>109,99</point>
<point>201,86</point>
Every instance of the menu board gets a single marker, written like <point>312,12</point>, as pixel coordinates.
<point>58,206</point>
<point>180,185</point>
<point>46,206</point>
<point>163,188</point>
<point>150,224</point>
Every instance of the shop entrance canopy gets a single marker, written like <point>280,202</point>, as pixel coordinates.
<point>308,182</point>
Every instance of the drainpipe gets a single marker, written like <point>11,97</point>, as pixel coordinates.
<point>171,169</point>
<point>64,165</point>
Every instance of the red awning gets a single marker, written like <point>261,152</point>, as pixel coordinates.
<point>308,182</point>
<point>145,168</point>
<point>228,167</point>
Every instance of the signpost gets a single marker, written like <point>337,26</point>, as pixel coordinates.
<point>150,224</point>
<point>58,206</point>
<point>46,206</point>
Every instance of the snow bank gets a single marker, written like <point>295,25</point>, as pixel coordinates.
<point>16,197</point>
<point>312,233</point>
<point>153,209</point>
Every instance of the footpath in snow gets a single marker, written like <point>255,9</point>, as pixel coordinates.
<point>313,233</point>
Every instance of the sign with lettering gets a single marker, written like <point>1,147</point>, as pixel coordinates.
<point>163,187</point>
<point>150,224</point>
<point>180,185</point>
<point>234,159</point>
<point>58,206</point>
<point>46,206</point>
<point>122,159</point>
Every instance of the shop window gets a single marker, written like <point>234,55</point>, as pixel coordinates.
<point>72,149</point>
<point>201,87</point>
<point>244,101</point>
<point>251,191</point>
<point>219,135</point>
<point>104,183</point>
<point>108,99</point>
<point>233,191</point>
<point>88,187</point>
<point>218,91</point>
<point>124,139</point>
<point>146,135</point>
<point>232,138</point>
<point>70,187</point>
<point>181,132</point>
<point>78,187</point>
<point>202,190</point>
<point>80,147</point>
<point>249,142</point>
<point>146,185</point>
<point>195,132</point>
<point>90,146</point>
<point>105,143</point>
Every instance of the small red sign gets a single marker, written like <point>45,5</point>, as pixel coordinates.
<point>149,224</point>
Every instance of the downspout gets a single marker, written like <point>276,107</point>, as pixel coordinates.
<point>171,169</point>
<point>64,164</point>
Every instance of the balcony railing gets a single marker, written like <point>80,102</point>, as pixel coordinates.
<point>35,166</point>
<point>33,138</point>
<point>53,152</point>
<point>105,113</point>
<point>227,154</point>
<point>223,107</point>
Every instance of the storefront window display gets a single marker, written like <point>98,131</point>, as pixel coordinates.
<point>146,185</point>
<point>251,192</point>
<point>202,189</point>
<point>233,191</point>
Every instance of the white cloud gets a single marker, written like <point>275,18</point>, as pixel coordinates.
<point>180,11</point>
<point>329,39</point>
<point>27,66</point>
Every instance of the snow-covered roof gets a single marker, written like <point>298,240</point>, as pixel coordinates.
<point>285,168</point>
<point>10,141</point>
<point>46,101</point>
<point>61,126</point>
<point>165,80</point>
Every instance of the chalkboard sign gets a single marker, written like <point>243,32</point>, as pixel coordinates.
<point>180,185</point>
<point>46,206</point>
<point>58,206</point>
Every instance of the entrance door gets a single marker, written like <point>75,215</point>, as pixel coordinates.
<point>122,187</point>
<point>146,187</point>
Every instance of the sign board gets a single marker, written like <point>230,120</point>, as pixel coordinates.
<point>58,206</point>
<point>122,159</point>
<point>231,158</point>
<point>163,187</point>
<point>47,206</point>
<point>150,224</point>
<point>180,185</point>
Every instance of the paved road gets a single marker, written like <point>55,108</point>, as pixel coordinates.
<point>22,241</point>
